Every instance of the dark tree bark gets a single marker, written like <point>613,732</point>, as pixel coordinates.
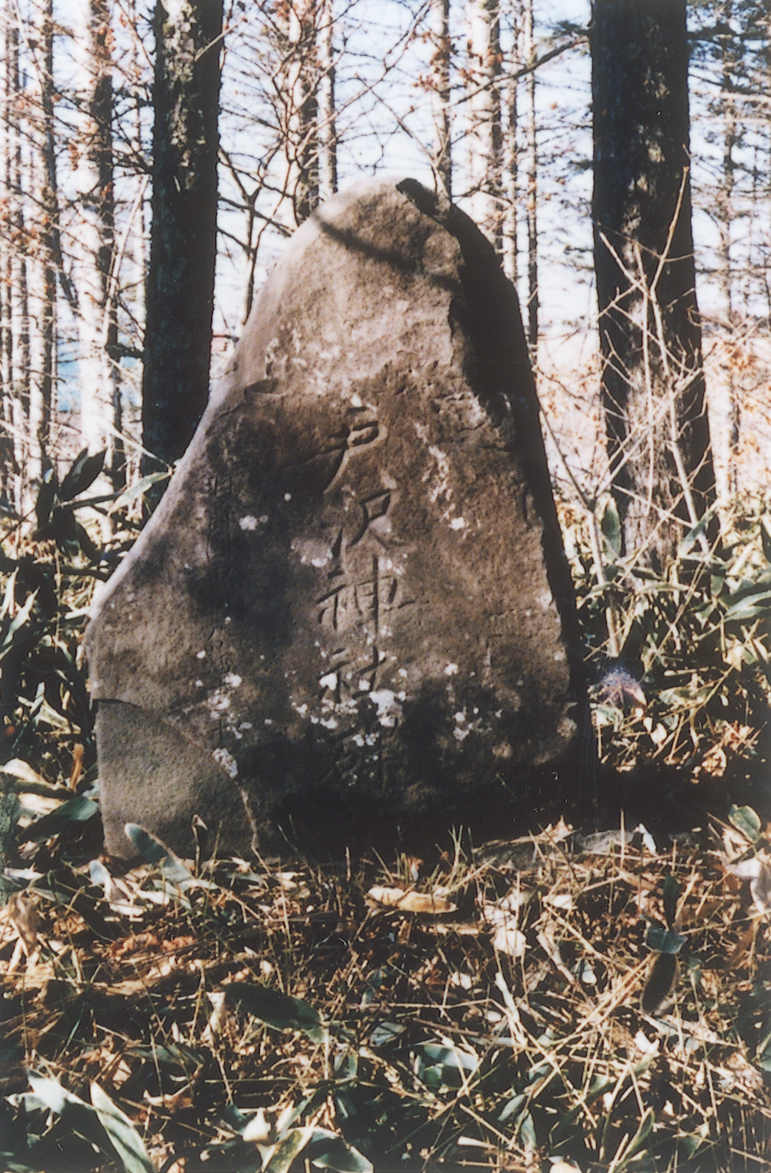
<point>180,282</point>
<point>100,390</point>
<point>484,140</point>
<point>650,333</point>
<point>298,78</point>
<point>533,304</point>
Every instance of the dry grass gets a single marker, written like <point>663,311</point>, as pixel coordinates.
<point>552,1003</point>
<point>501,1029</point>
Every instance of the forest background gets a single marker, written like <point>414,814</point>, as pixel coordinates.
<point>495,98</point>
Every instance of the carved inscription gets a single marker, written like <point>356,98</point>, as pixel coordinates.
<point>361,434</point>
<point>362,580</point>
<point>360,603</point>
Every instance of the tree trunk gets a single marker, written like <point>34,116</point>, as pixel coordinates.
<point>650,334</point>
<point>484,140</point>
<point>18,341</point>
<point>532,188</point>
<point>729,437</point>
<point>327,113</point>
<point>440,82</point>
<point>511,219</point>
<point>180,281</point>
<point>300,95</point>
<point>44,180</point>
<point>9,470</point>
<point>101,407</point>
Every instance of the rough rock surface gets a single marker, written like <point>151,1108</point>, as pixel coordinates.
<point>353,597</point>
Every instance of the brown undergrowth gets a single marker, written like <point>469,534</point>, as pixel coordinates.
<point>551,1003</point>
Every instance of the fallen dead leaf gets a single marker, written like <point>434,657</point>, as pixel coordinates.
<point>421,902</point>
<point>24,914</point>
<point>758,872</point>
<point>510,940</point>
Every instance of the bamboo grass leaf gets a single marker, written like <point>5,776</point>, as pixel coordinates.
<point>123,1135</point>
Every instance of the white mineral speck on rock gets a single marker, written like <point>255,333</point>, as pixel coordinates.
<point>451,670</point>
<point>388,708</point>
<point>356,400</point>
<point>287,496</point>
<point>228,763</point>
<point>200,655</point>
<point>232,680</point>
<point>328,681</point>
<point>364,685</point>
<point>559,656</point>
<point>328,722</point>
<point>247,523</point>
<point>458,523</point>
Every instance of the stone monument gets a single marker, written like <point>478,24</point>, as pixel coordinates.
<point>352,601</point>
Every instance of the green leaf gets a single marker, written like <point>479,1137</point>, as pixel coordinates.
<point>76,810</point>
<point>527,1133</point>
<point>11,1165</point>
<point>328,1151</point>
<point>22,616</point>
<point>82,473</point>
<point>763,1054</point>
<point>76,1115</point>
<point>124,1137</point>
<point>638,1140</point>
<point>154,851</point>
<point>283,1154</point>
<point>750,607</point>
<point>385,1033</point>
<point>659,983</point>
<point>688,542</point>
<point>513,1109</point>
<point>52,1095</point>
<point>567,1119</point>
<point>46,496</point>
<point>765,537</point>
<point>88,547</point>
<point>9,817</point>
<point>663,940</point>
<point>670,895</point>
<point>130,494</point>
<point>440,1066</point>
<point>277,1009</point>
<point>610,525</point>
<point>689,1144</point>
<point>747,821</point>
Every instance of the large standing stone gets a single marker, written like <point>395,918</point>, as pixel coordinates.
<point>346,600</point>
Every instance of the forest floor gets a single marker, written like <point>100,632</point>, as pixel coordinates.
<point>557,1003</point>
<point>569,999</point>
